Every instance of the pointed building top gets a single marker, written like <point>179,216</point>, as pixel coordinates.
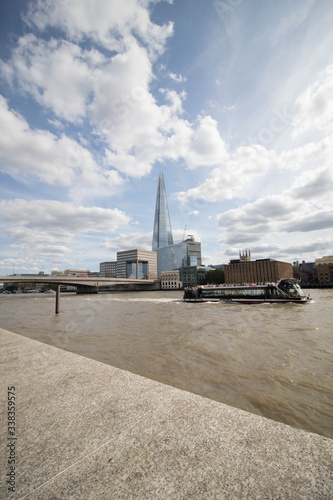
<point>162,233</point>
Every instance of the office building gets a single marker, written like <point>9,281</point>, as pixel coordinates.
<point>138,264</point>
<point>193,251</point>
<point>186,253</point>
<point>162,233</point>
<point>108,269</point>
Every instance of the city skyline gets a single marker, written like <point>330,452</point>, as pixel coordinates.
<point>232,101</point>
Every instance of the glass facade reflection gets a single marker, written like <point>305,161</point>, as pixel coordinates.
<point>171,257</point>
<point>162,233</point>
<point>193,260</point>
<point>132,267</point>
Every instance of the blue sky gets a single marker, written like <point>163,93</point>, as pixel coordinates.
<point>231,99</point>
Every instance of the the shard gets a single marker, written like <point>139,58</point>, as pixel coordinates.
<point>162,234</point>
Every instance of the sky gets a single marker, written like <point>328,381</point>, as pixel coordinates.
<point>231,99</point>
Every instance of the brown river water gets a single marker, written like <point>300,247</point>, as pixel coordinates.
<point>270,359</point>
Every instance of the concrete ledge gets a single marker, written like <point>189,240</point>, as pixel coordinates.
<point>86,430</point>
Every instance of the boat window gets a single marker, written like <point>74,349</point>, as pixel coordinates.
<point>299,290</point>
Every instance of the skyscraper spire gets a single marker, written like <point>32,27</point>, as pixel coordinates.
<point>162,234</point>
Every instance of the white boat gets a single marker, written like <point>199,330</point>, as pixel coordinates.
<point>285,290</point>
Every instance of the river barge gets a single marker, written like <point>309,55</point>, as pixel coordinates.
<point>285,290</point>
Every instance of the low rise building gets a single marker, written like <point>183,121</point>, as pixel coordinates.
<point>324,267</point>
<point>194,275</point>
<point>170,280</point>
<point>71,272</point>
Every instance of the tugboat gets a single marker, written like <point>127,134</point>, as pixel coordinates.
<point>285,290</point>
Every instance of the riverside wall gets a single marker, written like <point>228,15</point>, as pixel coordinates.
<point>81,429</point>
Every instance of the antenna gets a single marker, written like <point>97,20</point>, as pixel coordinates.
<point>184,233</point>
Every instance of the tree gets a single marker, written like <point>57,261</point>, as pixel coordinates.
<point>216,276</point>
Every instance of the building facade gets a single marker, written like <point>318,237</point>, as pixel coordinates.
<point>324,268</point>
<point>194,275</point>
<point>108,269</point>
<point>186,253</point>
<point>258,271</point>
<point>138,264</point>
<point>162,233</point>
<point>71,272</point>
<point>193,251</point>
<point>305,272</point>
<point>170,280</point>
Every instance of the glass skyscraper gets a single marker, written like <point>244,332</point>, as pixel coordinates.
<point>162,234</point>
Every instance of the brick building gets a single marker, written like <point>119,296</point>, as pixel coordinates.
<point>325,270</point>
<point>258,271</point>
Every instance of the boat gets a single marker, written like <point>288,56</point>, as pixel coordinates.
<point>285,290</point>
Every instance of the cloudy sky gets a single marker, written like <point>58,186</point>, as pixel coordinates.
<point>231,99</point>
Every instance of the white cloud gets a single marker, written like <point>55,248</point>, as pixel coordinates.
<point>316,106</point>
<point>46,224</point>
<point>25,152</point>
<point>319,246</point>
<point>140,132</point>
<point>281,250</point>
<point>58,74</point>
<point>304,207</point>
<point>315,186</point>
<point>141,241</point>
<point>206,146</point>
<point>110,91</point>
<point>180,234</point>
<point>307,156</point>
<point>177,78</point>
<point>320,219</point>
<point>109,23</point>
<point>241,171</point>
<point>24,264</point>
<point>236,177</point>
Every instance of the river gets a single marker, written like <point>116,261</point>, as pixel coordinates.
<point>270,359</point>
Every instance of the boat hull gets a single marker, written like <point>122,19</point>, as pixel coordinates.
<point>249,301</point>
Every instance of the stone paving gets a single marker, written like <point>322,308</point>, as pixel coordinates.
<point>86,430</point>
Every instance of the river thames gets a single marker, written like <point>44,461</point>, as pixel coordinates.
<point>270,359</point>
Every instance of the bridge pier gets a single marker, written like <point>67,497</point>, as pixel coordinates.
<point>57,304</point>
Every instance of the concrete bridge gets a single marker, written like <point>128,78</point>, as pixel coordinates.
<point>84,285</point>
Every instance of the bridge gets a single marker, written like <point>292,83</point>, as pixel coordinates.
<point>93,282</point>
<point>82,284</point>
